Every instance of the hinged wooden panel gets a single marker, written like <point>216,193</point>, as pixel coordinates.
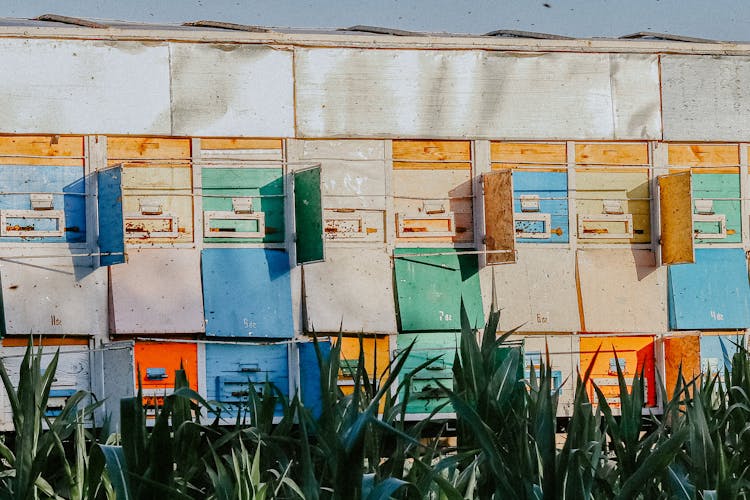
<point>681,351</point>
<point>156,363</point>
<point>525,153</point>
<point>676,210</point>
<point>537,293</point>
<point>498,216</point>
<point>712,293</point>
<point>64,151</point>
<point>351,292</point>
<point>612,154</point>
<point>247,293</point>
<point>704,155</point>
<point>158,291</point>
<point>717,350</point>
<point>430,289</point>
<point>716,208</point>
<point>432,155</point>
<point>622,290</point>
<point>546,220</point>
<point>53,296</point>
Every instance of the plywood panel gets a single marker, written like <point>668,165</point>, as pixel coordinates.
<point>111,223</point>
<point>451,188</point>
<point>238,143</point>
<point>155,366</point>
<point>634,354</point>
<point>612,154</point>
<point>231,90</point>
<point>676,212</point>
<point>310,389</point>
<point>703,155</point>
<point>681,352</point>
<point>705,98</point>
<point>66,151</point>
<point>352,291</point>
<point>247,293</point>
<point>537,293</point>
<point>85,87</point>
<point>55,296</point>
<point>430,289</point>
<point>499,227</point>
<point>713,293</point>
<point>121,149</point>
<point>341,150</point>
<point>629,187</point>
<point>432,155</point>
<point>455,94</point>
<point>171,304</point>
<point>528,153</point>
<point>622,290</point>
<point>66,186</point>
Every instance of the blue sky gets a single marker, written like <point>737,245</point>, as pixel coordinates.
<point>719,19</point>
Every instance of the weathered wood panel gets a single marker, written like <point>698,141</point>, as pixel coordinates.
<point>703,155</point>
<point>528,153</point>
<point>499,228</point>
<point>55,296</point>
<point>480,94</point>
<point>352,291</point>
<point>124,149</point>
<point>681,352</point>
<point>622,290</point>
<point>612,154</point>
<point>64,151</point>
<point>171,304</point>
<point>706,98</point>
<point>84,87</point>
<point>231,90</point>
<point>537,293</point>
<point>676,210</point>
<point>238,143</point>
<point>432,155</point>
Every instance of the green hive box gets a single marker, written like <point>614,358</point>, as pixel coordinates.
<point>430,289</point>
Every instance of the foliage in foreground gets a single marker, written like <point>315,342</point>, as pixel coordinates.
<point>505,429</point>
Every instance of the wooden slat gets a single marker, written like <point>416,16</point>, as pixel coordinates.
<point>612,154</point>
<point>707,170</point>
<point>53,150</point>
<point>147,148</point>
<point>526,168</point>
<point>498,215</point>
<point>410,165</point>
<point>528,152</point>
<point>238,143</point>
<point>432,150</point>
<point>44,341</point>
<point>676,218</point>
<point>704,155</point>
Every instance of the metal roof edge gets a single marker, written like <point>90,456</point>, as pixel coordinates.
<point>368,41</point>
